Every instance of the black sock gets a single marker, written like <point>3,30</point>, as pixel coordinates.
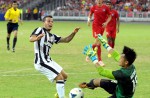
<point>91,84</point>
<point>14,42</point>
<point>8,38</point>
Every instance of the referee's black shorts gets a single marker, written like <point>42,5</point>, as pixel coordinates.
<point>12,27</point>
<point>109,86</point>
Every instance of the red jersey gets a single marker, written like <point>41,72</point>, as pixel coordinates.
<point>113,22</point>
<point>100,14</point>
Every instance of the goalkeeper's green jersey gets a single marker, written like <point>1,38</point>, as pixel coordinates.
<point>127,80</point>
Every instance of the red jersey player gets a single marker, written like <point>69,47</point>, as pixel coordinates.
<point>113,26</point>
<point>101,18</point>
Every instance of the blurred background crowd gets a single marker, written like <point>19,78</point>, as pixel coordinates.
<point>37,8</point>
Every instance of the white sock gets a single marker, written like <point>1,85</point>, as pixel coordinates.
<point>60,88</point>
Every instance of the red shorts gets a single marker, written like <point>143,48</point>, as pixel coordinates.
<point>111,33</point>
<point>97,30</point>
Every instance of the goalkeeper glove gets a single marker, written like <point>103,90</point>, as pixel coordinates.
<point>88,51</point>
<point>104,42</point>
<point>114,54</point>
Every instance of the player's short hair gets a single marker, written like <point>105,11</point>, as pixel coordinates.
<point>108,2</point>
<point>46,17</point>
<point>14,1</point>
<point>130,54</point>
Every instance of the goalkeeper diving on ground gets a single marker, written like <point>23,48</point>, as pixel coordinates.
<point>121,83</point>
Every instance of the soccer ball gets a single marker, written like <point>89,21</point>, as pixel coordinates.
<point>76,93</point>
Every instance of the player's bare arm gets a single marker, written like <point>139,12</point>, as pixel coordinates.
<point>34,38</point>
<point>118,24</point>
<point>69,37</point>
<point>20,21</point>
<point>89,19</point>
<point>107,21</point>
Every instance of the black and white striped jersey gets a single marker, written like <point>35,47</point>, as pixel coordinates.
<point>43,46</point>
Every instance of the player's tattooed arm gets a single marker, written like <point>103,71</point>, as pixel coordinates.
<point>69,37</point>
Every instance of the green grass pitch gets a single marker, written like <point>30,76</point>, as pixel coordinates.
<point>19,79</point>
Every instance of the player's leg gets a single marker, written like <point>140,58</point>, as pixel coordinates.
<point>98,45</point>
<point>60,81</point>
<point>113,42</point>
<point>107,85</point>
<point>8,39</point>
<point>113,37</point>
<point>9,30</point>
<point>53,71</point>
<point>65,76</point>
<point>99,31</point>
<point>109,38</point>
<point>89,85</point>
<point>14,40</point>
<point>60,85</point>
<point>15,30</point>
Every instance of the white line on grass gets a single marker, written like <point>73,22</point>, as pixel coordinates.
<point>14,71</point>
<point>23,75</point>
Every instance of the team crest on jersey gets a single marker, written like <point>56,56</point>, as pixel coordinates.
<point>104,10</point>
<point>51,39</point>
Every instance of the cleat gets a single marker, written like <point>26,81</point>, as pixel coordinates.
<point>101,63</point>
<point>56,95</point>
<point>13,50</point>
<point>83,85</point>
<point>8,47</point>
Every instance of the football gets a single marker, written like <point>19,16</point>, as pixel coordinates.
<point>76,93</point>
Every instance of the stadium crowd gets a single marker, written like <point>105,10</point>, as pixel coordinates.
<point>84,5</point>
<point>120,5</point>
<point>6,4</point>
<point>76,6</point>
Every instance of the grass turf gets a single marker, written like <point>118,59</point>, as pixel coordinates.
<point>19,79</point>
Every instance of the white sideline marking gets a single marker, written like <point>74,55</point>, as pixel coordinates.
<point>23,75</point>
<point>14,71</point>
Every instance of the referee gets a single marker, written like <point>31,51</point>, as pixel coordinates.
<point>13,17</point>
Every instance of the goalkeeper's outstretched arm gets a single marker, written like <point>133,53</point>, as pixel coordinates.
<point>110,50</point>
<point>88,51</point>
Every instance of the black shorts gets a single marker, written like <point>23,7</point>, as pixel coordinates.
<point>11,27</point>
<point>109,86</point>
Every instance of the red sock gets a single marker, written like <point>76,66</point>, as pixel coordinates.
<point>99,52</point>
<point>93,46</point>
<point>110,43</point>
<point>113,44</point>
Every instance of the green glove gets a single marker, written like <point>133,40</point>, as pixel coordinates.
<point>104,42</point>
<point>88,51</point>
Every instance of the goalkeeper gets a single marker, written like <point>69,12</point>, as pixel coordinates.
<point>121,82</point>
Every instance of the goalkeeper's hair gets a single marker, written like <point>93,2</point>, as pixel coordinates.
<point>46,17</point>
<point>130,54</point>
